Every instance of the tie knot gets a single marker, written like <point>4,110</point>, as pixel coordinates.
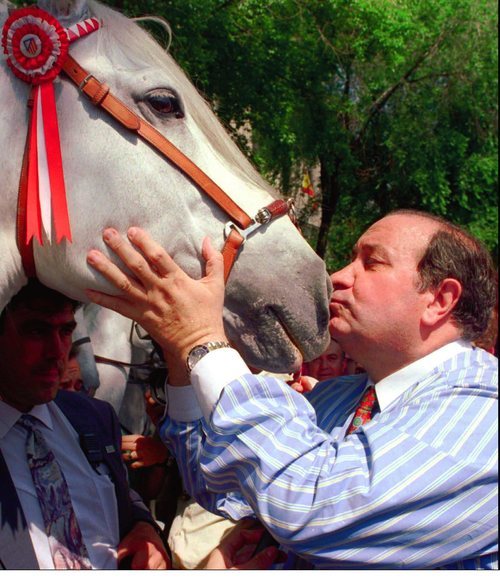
<point>27,421</point>
<point>369,398</point>
<point>366,408</point>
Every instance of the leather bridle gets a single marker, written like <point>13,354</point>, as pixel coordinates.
<point>235,232</point>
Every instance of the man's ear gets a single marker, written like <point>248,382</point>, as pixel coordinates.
<point>445,298</point>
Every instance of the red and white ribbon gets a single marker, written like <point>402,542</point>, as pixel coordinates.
<point>36,46</point>
<point>82,28</point>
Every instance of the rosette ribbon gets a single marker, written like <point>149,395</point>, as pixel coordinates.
<point>36,46</point>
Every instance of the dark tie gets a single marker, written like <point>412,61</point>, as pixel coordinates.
<point>364,411</point>
<point>65,538</point>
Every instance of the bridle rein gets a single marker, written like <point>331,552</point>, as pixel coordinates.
<point>236,231</point>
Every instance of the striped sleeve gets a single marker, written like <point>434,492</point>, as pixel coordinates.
<point>414,488</point>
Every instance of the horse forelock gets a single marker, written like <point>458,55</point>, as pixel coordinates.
<point>131,48</point>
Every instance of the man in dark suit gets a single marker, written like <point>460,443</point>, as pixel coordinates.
<point>108,522</point>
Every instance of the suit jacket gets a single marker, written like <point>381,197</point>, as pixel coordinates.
<point>97,424</point>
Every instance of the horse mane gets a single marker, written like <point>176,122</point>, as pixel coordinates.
<point>131,48</point>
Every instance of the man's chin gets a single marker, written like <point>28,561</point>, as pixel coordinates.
<point>47,391</point>
<point>337,327</point>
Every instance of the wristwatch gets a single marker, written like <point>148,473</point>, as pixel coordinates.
<point>197,353</point>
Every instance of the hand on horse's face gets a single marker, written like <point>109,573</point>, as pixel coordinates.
<point>176,310</point>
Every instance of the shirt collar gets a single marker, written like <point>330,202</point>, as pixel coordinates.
<point>9,416</point>
<point>394,385</point>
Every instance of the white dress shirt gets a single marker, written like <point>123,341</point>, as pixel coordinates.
<point>222,366</point>
<point>92,494</point>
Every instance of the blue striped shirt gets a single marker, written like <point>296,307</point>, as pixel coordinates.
<point>415,488</point>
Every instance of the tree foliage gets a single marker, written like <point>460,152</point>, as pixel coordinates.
<point>393,101</point>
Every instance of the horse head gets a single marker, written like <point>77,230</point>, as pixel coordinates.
<point>276,308</point>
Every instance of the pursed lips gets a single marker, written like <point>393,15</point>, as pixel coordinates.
<point>336,306</point>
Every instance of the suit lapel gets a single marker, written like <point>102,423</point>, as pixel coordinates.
<point>16,549</point>
<point>95,424</point>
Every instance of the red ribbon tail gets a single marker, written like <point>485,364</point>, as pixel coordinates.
<point>33,214</point>
<point>54,160</point>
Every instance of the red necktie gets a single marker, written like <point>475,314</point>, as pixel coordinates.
<point>364,411</point>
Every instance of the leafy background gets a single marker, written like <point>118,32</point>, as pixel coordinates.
<point>386,103</point>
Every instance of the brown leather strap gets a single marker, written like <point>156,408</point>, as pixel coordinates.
<point>278,208</point>
<point>232,246</point>
<point>99,95</point>
<point>112,362</point>
<point>25,249</point>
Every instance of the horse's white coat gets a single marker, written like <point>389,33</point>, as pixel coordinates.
<point>277,294</point>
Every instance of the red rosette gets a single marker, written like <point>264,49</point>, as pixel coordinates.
<point>35,43</point>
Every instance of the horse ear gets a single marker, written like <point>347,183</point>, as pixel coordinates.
<point>68,12</point>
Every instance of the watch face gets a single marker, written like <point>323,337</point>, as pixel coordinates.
<point>196,355</point>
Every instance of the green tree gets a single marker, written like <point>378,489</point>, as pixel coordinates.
<point>394,101</point>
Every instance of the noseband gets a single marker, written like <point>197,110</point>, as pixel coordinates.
<point>236,231</point>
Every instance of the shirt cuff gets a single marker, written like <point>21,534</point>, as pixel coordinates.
<point>182,404</point>
<point>210,375</point>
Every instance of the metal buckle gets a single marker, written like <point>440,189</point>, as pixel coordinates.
<point>81,86</point>
<point>263,216</point>
<point>243,232</point>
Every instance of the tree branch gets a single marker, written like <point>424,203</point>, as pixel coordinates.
<point>381,101</point>
<point>436,75</point>
<point>226,4</point>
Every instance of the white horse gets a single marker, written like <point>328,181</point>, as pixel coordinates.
<point>276,308</point>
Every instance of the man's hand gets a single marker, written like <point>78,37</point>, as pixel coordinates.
<point>303,384</point>
<point>176,310</point>
<point>144,547</point>
<point>236,549</point>
<point>142,451</point>
<point>154,409</point>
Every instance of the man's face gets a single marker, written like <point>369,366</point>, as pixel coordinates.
<point>34,347</point>
<point>328,365</point>
<point>375,304</point>
<point>72,377</point>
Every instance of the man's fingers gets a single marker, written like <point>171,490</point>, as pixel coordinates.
<point>157,258</point>
<point>115,303</point>
<point>262,560</point>
<point>129,441</point>
<point>234,541</point>
<point>113,274</point>
<point>122,552</point>
<point>140,558</point>
<point>133,259</point>
<point>214,261</point>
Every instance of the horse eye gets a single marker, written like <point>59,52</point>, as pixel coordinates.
<point>165,103</point>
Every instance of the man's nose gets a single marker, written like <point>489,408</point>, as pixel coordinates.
<point>56,346</point>
<point>343,278</point>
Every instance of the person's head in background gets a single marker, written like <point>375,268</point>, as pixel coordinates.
<point>329,365</point>
<point>72,377</point>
